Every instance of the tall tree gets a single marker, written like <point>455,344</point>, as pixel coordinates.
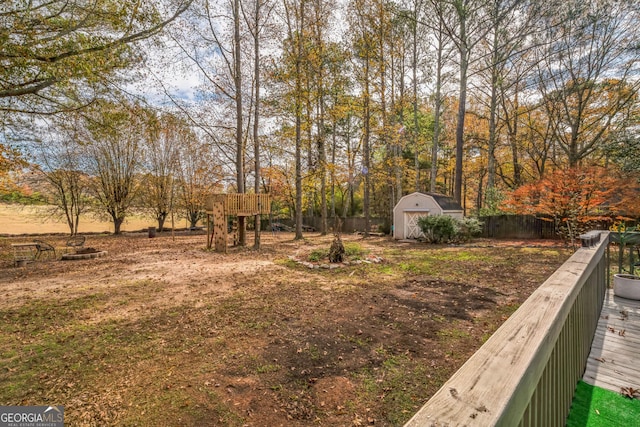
<point>365,44</point>
<point>198,173</point>
<point>239,129</point>
<point>115,136</point>
<point>217,46</point>
<point>513,111</point>
<point>161,157</point>
<point>257,22</point>
<point>441,45</point>
<point>409,27</point>
<point>256,117</point>
<point>318,59</point>
<point>415,66</point>
<point>61,159</point>
<point>381,24</point>
<point>339,113</point>
<point>587,73</point>
<point>295,15</point>
<point>511,23</point>
<point>470,29</point>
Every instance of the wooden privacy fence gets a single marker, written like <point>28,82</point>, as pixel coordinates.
<point>526,373</point>
<point>518,227</point>
<point>347,224</point>
<point>498,226</point>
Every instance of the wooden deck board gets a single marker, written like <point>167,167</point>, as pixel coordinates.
<point>613,361</point>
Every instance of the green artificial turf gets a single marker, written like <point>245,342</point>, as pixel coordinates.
<point>597,407</point>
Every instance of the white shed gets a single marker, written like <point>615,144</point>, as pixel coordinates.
<point>418,204</point>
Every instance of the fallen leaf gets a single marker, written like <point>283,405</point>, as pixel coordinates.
<point>630,392</point>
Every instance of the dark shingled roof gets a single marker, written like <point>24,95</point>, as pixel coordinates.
<point>447,203</point>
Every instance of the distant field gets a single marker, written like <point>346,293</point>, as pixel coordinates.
<point>19,219</point>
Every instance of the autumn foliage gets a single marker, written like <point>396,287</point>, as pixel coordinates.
<point>573,197</point>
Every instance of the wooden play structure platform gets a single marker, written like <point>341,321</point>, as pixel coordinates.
<point>220,206</point>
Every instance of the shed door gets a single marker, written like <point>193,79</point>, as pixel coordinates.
<point>411,227</point>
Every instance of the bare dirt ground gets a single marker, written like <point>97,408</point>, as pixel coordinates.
<point>163,332</point>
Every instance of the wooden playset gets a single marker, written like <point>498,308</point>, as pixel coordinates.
<point>219,206</point>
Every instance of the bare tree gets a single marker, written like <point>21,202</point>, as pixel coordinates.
<point>225,46</point>
<point>257,23</point>
<point>441,47</point>
<point>466,32</point>
<point>60,159</point>
<point>115,136</point>
<point>160,162</point>
<point>511,23</point>
<point>198,174</point>
<point>295,18</point>
<point>365,46</point>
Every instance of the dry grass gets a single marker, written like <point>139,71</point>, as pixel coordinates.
<point>31,219</point>
<point>163,332</point>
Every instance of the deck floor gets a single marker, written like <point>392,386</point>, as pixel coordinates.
<point>614,361</point>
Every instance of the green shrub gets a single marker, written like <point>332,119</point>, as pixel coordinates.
<point>354,251</point>
<point>385,228</point>
<point>468,228</point>
<point>317,255</point>
<point>445,229</point>
<point>438,228</point>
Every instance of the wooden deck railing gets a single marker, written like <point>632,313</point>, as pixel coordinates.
<point>526,373</point>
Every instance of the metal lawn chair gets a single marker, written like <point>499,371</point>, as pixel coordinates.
<point>44,249</point>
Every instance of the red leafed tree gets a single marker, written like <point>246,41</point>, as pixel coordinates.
<point>572,197</point>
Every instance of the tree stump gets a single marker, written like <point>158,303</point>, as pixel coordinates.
<point>336,252</point>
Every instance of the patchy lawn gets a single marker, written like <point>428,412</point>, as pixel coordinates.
<point>163,332</point>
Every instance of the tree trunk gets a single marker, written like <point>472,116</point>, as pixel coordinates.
<point>457,189</point>
<point>333,176</point>
<point>242,238</point>
<point>193,219</point>
<point>256,118</point>
<point>437,110</point>
<point>491,149</point>
<point>365,148</point>
<point>298,107</point>
<point>384,134</point>
<point>322,159</point>
<point>117,223</point>
<point>463,50</point>
<point>336,251</point>
<point>161,219</point>
<point>416,122</point>
<point>323,193</point>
